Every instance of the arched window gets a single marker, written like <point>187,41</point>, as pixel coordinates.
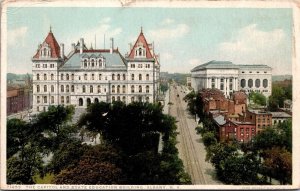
<point>37,88</point>
<point>52,99</point>
<point>37,99</point>
<point>124,89</point>
<point>124,99</point>
<point>96,100</point>
<point>45,88</point>
<point>140,51</point>
<point>67,88</point>
<point>222,87</point>
<point>38,77</point>
<point>147,89</point>
<point>52,88</point>
<point>52,76</point>
<point>118,98</point>
<point>62,77</point>
<point>147,99</point>
<point>100,62</point>
<point>140,76</point>
<point>147,76</point>
<point>265,83</point>
<point>250,83</point>
<point>67,99</point>
<point>118,77</point>
<point>113,98</point>
<point>113,89</point>
<point>62,88</point>
<point>85,76</point>
<point>72,88</point>
<point>140,89</point>
<point>93,63</point>
<point>93,77</point>
<point>124,77</point>
<point>85,63</point>
<point>80,102</point>
<point>98,89</point>
<point>257,83</point>
<point>132,76</point>
<point>45,76</point>
<point>91,89</point>
<point>83,88</point>
<point>118,89</point>
<point>132,89</point>
<point>100,76</point>
<point>62,99</point>
<point>243,83</point>
<point>113,77</point>
<point>132,99</point>
<point>45,52</point>
<point>88,101</point>
<point>72,76</point>
<point>67,77</point>
<point>45,99</point>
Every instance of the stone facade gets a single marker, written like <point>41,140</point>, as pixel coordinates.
<point>86,76</point>
<point>228,77</point>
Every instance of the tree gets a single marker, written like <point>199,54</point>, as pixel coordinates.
<point>258,98</point>
<point>100,164</point>
<point>164,87</point>
<point>54,123</point>
<point>209,139</point>
<point>20,170</point>
<point>278,164</point>
<point>277,98</point>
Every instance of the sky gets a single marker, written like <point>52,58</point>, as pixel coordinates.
<point>183,37</point>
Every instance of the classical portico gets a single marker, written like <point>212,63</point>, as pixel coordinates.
<point>228,77</point>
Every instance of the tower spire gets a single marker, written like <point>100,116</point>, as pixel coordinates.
<point>141,29</point>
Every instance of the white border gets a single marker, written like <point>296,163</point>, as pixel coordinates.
<point>147,3</point>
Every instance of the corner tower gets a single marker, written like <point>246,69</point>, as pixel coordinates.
<point>45,63</point>
<point>143,66</point>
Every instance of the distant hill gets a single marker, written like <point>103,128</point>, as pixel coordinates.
<point>281,77</point>
<point>12,76</point>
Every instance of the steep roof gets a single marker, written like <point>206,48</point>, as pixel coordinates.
<point>141,39</point>
<point>51,41</point>
<point>113,61</point>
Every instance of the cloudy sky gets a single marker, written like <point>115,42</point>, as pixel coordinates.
<point>184,37</point>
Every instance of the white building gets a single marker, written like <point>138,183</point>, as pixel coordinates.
<point>228,77</point>
<point>91,75</point>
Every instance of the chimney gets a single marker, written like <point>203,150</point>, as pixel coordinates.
<point>111,45</point>
<point>81,45</point>
<point>73,46</point>
<point>62,51</point>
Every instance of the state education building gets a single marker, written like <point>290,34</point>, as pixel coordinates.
<point>228,77</point>
<point>85,76</point>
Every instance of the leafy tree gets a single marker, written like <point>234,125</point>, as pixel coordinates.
<point>209,139</point>
<point>278,164</point>
<point>277,98</point>
<point>21,169</point>
<point>258,98</point>
<point>54,123</point>
<point>239,169</point>
<point>164,87</point>
<point>100,164</point>
<point>285,133</point>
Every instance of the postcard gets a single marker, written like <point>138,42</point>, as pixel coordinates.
<point>149,95</point>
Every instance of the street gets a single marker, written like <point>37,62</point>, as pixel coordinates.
<point>190,145</point>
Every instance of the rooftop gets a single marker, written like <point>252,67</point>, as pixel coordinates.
<point>220,120</point>
<point>112,61</point>
<point>216,65</point>
<point>280,114</point>
<point>258,111</point>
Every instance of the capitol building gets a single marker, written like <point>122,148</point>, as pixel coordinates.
<point>85,76</point>
<point>229,77</point>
